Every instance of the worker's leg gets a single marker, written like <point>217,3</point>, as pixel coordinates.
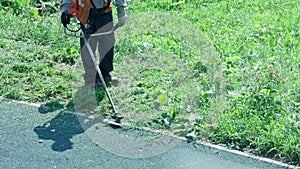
<point>106,44</point>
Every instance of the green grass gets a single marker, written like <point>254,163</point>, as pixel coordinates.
<point>226,72</point>
<point>35,61</point>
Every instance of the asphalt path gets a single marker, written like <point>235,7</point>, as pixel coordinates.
<point>31,138</point>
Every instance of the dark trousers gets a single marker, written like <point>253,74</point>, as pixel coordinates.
<point>98,22</point>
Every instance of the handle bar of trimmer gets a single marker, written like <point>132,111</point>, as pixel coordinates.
<point>83,35</point>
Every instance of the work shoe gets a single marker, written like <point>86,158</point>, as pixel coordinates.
<point>109,81</point>
<point>115,81</point>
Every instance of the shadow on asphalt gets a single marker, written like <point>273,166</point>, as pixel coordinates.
<point>21,149</point>
<point>64,125</point>
<point>60,129</point>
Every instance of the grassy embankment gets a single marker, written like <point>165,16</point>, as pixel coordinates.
<point>222,71</point>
